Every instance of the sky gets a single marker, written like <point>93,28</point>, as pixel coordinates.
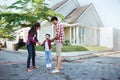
<point>108,10</point>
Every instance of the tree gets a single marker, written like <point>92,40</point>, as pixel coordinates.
<point>28,12</point>
<point>32,11</point>
<point>3,8</point>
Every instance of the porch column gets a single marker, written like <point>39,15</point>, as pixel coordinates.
<point>74,35</point>
<point>77,35</point>
<point>70,35</point>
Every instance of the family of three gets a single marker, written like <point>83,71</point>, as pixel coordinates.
<point>32,41</point>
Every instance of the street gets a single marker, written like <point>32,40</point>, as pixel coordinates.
<point>106,67</point>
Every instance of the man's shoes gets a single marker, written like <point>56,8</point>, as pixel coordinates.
<point>55,71</point>
<point>60,68</point>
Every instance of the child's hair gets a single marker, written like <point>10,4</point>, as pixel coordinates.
<point>48,35</point>
<point>54,18</point>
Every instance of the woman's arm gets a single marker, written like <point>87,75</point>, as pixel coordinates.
<point>31,38</point>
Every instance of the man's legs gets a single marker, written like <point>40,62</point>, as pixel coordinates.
<point>59,58</point>
<point>59,62</point>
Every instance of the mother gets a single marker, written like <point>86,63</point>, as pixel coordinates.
<point>31,42</point>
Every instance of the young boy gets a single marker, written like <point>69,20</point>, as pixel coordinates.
<point>48,48</point>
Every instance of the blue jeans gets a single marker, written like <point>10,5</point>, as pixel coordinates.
<point>31,55</point>
<point>48,57</point>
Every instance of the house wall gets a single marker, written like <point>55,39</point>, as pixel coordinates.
<point>89,36</point>
<point>66,8</point>
<point>90,18</point>
<point>67,33</point>
<point>106,37</point>
<point>46,28</point>
<point>116,39</point>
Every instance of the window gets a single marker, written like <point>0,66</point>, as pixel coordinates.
<point>81,35</point>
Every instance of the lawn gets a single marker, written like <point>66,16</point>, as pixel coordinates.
<point>72,48</point>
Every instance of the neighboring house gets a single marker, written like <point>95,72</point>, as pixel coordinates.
<point>82,23</point>
<point>22,34</point>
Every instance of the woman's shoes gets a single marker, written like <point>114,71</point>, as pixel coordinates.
<point>35,67</point>
<point>28,70</point>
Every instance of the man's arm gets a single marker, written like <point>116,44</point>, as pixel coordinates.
<point>52,40</point>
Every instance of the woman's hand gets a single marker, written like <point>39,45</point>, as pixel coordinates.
<point>39,43</point>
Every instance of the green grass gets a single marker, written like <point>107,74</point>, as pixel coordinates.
<point>72,48</point>
<point>64,49</point>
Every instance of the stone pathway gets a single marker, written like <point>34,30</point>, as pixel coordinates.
<point>13,64</point>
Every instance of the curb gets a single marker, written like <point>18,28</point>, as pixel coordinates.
<point>91,55</point>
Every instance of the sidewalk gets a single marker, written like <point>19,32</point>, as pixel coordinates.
<point>70,56</point>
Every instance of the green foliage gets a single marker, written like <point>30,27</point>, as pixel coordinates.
<point>67,42</point>
<point>6,33</point>
<point>28,12</point>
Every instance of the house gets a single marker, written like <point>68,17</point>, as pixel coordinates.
<point>82,23</point>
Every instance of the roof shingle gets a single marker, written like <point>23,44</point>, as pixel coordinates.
<point>58,4</point>
<point>76,13</point>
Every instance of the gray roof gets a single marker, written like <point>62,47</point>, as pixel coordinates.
<point>58,4</point>
<point>75,14</point>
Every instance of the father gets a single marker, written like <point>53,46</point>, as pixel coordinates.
<point>59,42</point>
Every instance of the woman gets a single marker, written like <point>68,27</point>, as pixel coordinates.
<point>31,42</point>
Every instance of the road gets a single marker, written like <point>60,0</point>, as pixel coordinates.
<point>13,64</point>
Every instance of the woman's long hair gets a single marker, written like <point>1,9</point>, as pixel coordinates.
<point>33,28</point>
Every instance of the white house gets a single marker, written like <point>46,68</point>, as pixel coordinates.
<point>82,23</point>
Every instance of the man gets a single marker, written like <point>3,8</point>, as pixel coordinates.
<point>59,42</point>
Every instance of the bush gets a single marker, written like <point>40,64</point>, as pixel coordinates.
<point>67,42</point>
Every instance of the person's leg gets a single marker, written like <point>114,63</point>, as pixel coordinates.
<point>47,58</point>
<point>29,48</point>
<point>33,57</point>
<point>50,58</point>
<point>59,59</point>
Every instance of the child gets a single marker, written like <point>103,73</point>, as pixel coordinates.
<point>48,48</point>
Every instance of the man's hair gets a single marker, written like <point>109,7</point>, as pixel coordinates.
<point>48,35</point>
<point>54,18</point>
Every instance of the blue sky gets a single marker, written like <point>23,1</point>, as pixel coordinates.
<point>108,10</point>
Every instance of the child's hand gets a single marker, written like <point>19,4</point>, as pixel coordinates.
<point>39,43</point>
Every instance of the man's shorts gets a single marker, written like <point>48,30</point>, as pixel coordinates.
<point>58,48</point>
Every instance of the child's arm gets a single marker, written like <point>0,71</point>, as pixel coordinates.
<point>43,44</point>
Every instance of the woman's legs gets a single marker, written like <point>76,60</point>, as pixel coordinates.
<point>29,48</point>
<point>33,55</point>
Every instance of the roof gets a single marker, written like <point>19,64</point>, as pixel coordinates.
<point>74,15</point>
<point>59,4</point>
